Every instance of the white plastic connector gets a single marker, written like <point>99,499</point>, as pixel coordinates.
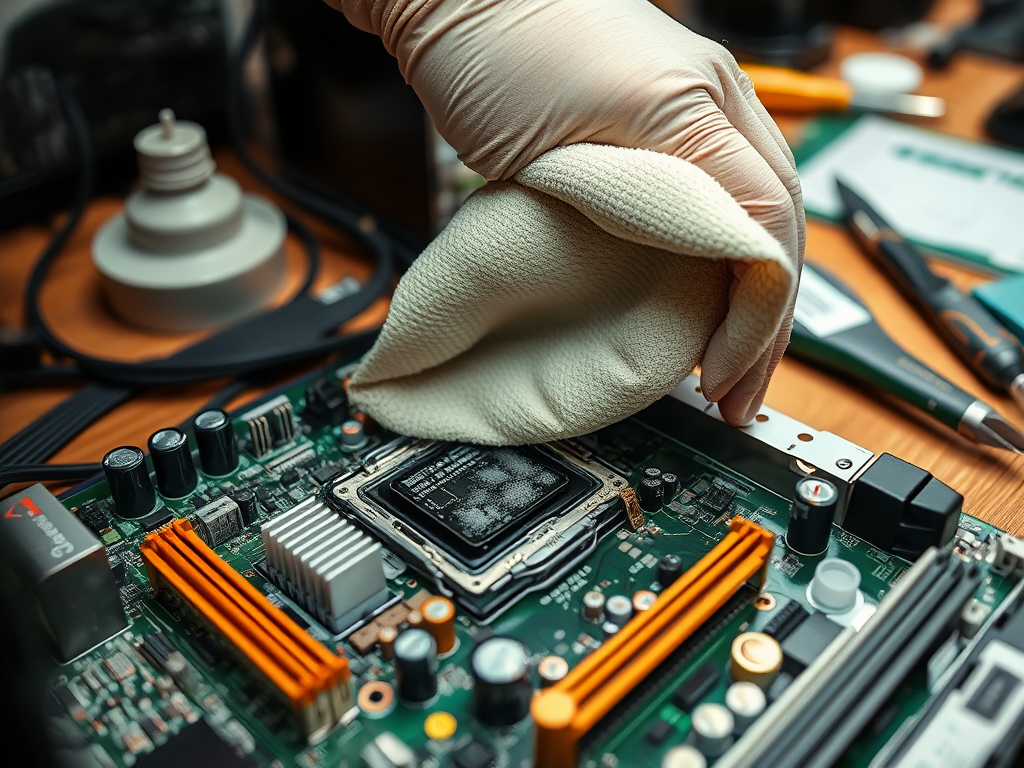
<point>1009,557</point>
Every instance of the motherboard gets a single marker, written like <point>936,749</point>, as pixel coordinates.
<point>291,584</point>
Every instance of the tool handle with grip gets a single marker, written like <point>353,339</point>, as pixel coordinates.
<point>789,90</point>
<point>964,324</point>
<point>867,354</point>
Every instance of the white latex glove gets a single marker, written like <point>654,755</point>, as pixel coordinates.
<point>507,80</point>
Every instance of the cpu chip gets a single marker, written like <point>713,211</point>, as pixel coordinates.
<point>489,523</point>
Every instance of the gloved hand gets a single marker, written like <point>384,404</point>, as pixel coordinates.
<point>507,81</point>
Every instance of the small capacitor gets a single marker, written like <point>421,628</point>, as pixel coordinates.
<point>415,666</point>
<point>712,729</point>
<point>130,486</point>
<point>684,756</point>
<point>618,609</point>
<point>593,606</point>
<point>414,619</point>
<point>172,463</point>
<point>669,487</point>
<point>386,639</point>
<point>353,435</point>
<point>652,472</point>
<point>215,439</point>
<point>669,569</point>
<point>756,658</point>
<point>247,505</point>
<point>746,701</point>
<point>439,620</point>
<point>501,682</point>
<point>642,600</point>
<point>649,492</point>
<point>608,629</point>
<point>551,669</point>
<point>810,522</point>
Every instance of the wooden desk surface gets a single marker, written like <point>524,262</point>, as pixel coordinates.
<point>992,481</point>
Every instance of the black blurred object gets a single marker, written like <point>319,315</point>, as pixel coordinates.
<point>344,116</point>
<point>783,33</point>
<point>124,61</point>
<point>998,31</point>
<point>1006,123</point>
<point>877,14</point>
<point>794,33</point>
<point>20,348</point>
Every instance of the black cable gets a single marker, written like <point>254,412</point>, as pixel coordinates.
<point>35,473</point>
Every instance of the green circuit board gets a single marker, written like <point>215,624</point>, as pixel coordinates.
<point>129,709</point>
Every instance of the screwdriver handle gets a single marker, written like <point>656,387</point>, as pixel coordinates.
<point>789,90</point>
<point>965,325</point>
<point>867,354</point>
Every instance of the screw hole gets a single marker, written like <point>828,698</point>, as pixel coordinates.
<point>697,389</point>
<point>761,418</point>
<point>803,436</point>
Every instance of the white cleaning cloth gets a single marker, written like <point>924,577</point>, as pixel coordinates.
<point>570,298</point>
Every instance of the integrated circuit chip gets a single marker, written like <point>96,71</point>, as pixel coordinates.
<point>478,492</point>
<point>491,522</point>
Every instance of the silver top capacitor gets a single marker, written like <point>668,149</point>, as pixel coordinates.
<point>747,702</point>
<point>618,609</point>
<point>712,729</point>
<point>593,607</point>
<point>501,682</point>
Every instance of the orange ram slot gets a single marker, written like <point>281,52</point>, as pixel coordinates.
<point>564,713</point>
<point>314,682</point>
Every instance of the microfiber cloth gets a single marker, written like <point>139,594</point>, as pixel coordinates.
<point>570,298</point>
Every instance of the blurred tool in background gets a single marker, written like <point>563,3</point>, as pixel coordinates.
<point>968,329</point>
<point>833,329</point>
<point>788,90</point>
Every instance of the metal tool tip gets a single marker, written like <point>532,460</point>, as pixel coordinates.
<point>1001,433</point>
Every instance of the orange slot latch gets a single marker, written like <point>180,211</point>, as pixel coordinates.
<point>565,712</point>
<point>314,682</point>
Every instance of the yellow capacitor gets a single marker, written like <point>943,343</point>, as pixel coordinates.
<point>439,620</point>
<point>756,658</point>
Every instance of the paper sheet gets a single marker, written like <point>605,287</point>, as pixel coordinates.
<point>942,192</point>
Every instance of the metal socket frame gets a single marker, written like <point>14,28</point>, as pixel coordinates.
<point>538,544</point>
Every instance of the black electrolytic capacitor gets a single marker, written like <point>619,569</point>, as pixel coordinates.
<point>416,666</point>
<point>669,487</point>
<point>128,478</point>
<point>247,505</point>
<point>215,439</point>
<point>649,492</point>
<point>501,682</point>
<point>172,463</point>
<point>810,522</point>
<point>668,569</point>
<point>652,472</point>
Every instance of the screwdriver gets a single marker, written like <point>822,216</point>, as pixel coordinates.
<point>789,90</point>
<point>964,324</point>
<point>833,329</point>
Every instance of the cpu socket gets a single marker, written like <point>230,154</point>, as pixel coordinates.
<point>486,524</point>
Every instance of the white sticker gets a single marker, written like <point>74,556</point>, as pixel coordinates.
<point>823,309</point>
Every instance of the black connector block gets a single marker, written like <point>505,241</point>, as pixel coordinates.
<point>902,509</point>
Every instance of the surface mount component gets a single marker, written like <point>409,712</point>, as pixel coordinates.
<point>128,479</point>
<point>487,524</point>
<point>172,463</point>
<point>312,681</point>
<point>271,424</point>
<point>501,682</point>
<point>215,439</point>
<point>810,520</point>
<point>416,666</point>
<point>325,563</point>
<point>62,567</point>
<point>563,713</point>
<point>219,521</point>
